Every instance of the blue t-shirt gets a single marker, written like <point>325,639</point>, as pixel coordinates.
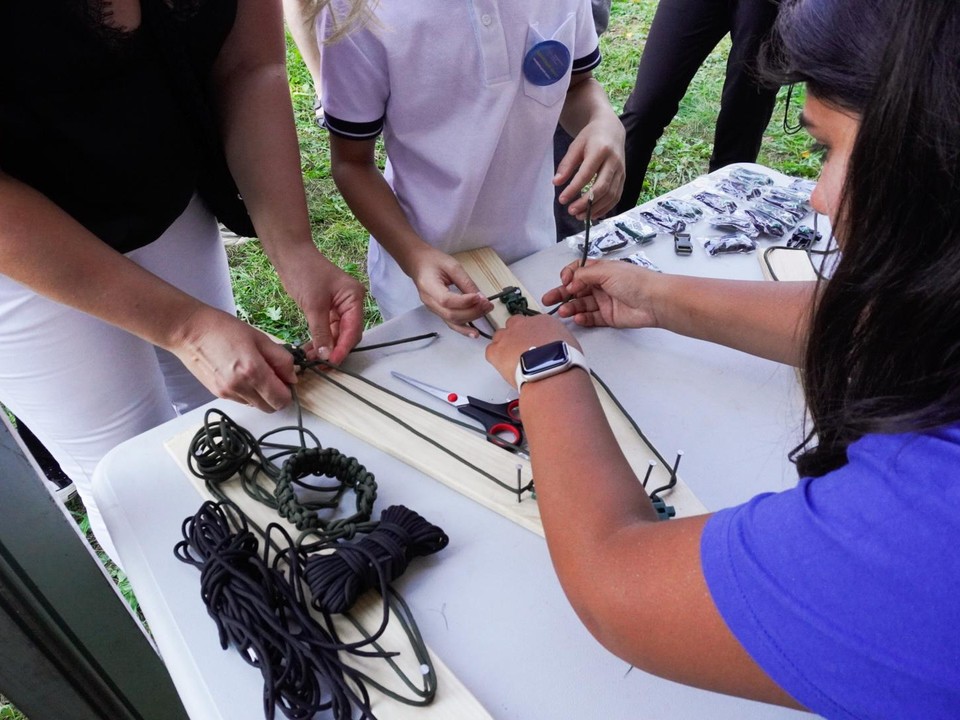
<point>846,589</point>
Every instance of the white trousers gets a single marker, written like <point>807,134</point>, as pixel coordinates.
<point>84,386</point>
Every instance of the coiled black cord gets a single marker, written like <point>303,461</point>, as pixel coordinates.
<point>256,609</point>
<point>337,579</point>
<point>260,603</point>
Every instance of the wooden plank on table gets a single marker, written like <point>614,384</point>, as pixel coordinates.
<point>452,700</point>
<point>491,275</point>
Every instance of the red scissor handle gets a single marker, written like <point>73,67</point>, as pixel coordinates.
<point>497,434</point>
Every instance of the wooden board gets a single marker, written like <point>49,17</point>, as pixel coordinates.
<point>491,275</point>
<point>452,699</point>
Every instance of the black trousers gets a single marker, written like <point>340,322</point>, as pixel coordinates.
<point>682,35</point>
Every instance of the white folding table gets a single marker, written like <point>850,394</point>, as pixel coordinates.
<point>489,605</point>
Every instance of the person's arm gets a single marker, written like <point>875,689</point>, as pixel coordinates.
<point>256,118</point>
<point>43,248</point>
<point>768,319</point>
<point>375,205</point>
<point>597,148</point>
<point>635,581</point>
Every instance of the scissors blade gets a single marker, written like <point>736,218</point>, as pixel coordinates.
<point>446,395</point>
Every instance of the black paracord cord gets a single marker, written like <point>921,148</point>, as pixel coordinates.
<point>789,129</point>
<point>655,495</point>
<point>508,296</point>
<point>256,610</point>
<point>222,448</point>
<point>315,365</point>
<point>391,343</point>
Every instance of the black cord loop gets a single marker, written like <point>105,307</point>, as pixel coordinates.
<point>337,579</point>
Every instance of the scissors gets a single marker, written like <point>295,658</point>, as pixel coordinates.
<point>501,420</point>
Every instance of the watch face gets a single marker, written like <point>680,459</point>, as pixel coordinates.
<point>543,358</point>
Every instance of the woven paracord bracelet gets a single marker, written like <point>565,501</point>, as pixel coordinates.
<point>331,463</point>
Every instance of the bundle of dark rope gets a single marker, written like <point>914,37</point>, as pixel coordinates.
<point>260,606</point>
<point>337,579</point>
<point>257,609</point>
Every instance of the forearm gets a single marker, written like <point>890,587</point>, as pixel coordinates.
<point>43,248</point>
<point>375,205</point>
<point>586,102</point>
<point>262,151</point>
<point>589,497</point>
<point>252,99</point>
<point>768,319</point>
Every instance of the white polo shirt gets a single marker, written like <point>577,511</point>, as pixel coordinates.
<point>469,138</point>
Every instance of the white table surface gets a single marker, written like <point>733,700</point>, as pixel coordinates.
<point>489,605</point>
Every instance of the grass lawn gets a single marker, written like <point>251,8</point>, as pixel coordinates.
<point>681,155</point>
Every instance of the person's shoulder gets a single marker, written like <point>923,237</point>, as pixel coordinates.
<point>914,452</point>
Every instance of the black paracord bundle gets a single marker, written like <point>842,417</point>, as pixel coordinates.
<point>259,584</point>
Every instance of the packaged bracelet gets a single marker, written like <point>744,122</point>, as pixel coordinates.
<point>736,221</point>
<point>804,188</point>
<point>642,233</point>
<point>750,177</point>
<point>786,200</point>
<point>603,240</point>
<point>738,189</point>
<point>663,219</point>
<point>681,208</point>
<point>729,244</point>
<point>716,202</point>
<point>784,216</point>
<point>640,259</point>
<point>765,223</point>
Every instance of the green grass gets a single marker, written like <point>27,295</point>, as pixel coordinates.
<point>681,155</point>
<point>8,711</point>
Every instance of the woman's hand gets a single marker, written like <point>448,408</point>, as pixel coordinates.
<point>330,299</point>
<point>519,335</point>
<point>433,272</point>
<point>234,360</point>
<point>607,293</point>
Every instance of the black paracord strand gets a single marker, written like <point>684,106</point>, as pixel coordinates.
<point>222,447</point>
<point>315,366</point>
<point>256,610</point>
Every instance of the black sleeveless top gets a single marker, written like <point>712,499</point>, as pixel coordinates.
<point>91,116</point>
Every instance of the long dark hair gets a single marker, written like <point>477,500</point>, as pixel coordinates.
<point>883,352</point>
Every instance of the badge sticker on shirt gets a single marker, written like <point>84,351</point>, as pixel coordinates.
<point>546,62</point>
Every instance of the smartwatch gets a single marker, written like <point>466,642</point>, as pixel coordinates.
<point>544,361</point>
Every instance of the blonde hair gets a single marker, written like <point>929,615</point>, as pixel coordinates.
<point>345,15</point>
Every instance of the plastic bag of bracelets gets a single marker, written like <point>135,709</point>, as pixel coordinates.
<point>642,232</point>
<point>750,177</point>
<point>663,219</point>
<point>787,218</point>
<point>640,259</point>
<point>731,244</point>
<point>604,239</point>
<point>786,200</point>
<point>737,189</point>
<point>803,188</point>
<point>683,209</point>
<point>735,221</point>
<point>716,202</point>
<point>765,222</point>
